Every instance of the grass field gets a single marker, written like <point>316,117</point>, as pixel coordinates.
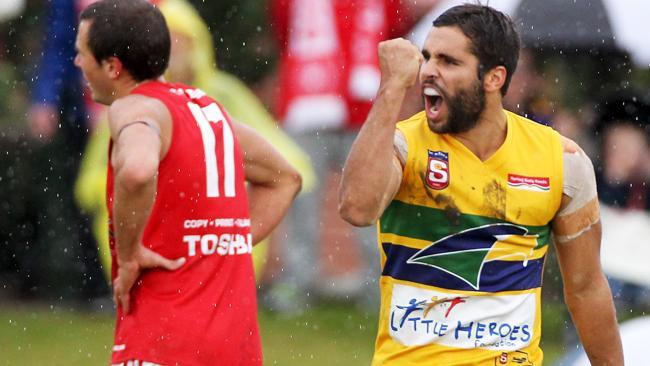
<point>328,335</point>
<point>39,335</point>
<point>42,336</point>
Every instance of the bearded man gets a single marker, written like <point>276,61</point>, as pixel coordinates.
<point>468,196</point>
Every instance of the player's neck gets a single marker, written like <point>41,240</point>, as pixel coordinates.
<point>488,134</point>
<point>125,86</point>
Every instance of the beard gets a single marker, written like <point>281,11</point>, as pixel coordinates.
<point>464,109</point>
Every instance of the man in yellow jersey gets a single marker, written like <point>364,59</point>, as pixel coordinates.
<point>468,196</point>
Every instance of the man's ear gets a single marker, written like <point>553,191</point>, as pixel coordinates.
<point>495,78</point>
<point>113,66</point>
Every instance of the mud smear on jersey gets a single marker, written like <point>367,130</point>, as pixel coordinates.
<point>452,213</point>
<point>494,195</point>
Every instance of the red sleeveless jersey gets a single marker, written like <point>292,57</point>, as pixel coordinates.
<point>205,313</point>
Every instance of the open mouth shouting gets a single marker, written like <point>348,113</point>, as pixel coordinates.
<point>433,102</point>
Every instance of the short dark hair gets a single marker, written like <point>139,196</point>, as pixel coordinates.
<point>134,31</point>
<point>494,40</point>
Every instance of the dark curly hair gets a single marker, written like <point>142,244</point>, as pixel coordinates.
<point>134,31</point>
<point>494,39</point>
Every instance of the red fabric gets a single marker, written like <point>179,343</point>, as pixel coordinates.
<point>638,196</point>
<point>344,12</point>
<point>399,20</point>
<point>205,313</point>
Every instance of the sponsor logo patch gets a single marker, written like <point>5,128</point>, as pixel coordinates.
<point>438,170</point>
<point>513,358</point>
<point>421,316</point>
<point>537,184</point>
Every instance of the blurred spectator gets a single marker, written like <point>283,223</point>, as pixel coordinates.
<point>57,85</point>
<point>623,177</point>
<point>329,75</point>
<point>533,95</point>
<point>624,128</point>
<point>526,94</point>
<point>61,258</point>
<point>192,62</point>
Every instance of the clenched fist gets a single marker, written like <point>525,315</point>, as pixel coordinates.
<point>399,61</point>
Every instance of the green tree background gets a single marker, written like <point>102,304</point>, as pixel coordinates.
<point>242,36</point>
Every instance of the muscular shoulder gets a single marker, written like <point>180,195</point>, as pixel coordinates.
<point>138,108</point>
<point>134,111</point>
<point>579,177</point>
<point>579,210</point>
<point>134,107</point>
<point>570,147</point>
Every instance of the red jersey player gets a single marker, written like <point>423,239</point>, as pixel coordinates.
<point>176,189</point>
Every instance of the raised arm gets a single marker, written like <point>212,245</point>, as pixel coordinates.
<point>373,170</point>
<point>140,130</point>
<point>273,182</point>
<point>577,232</point>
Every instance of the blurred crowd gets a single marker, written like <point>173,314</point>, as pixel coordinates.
<point>303,73</point>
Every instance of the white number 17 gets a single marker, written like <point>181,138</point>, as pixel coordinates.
<point>204,116</point>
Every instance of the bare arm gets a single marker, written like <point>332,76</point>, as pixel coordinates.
<point>589,298</point>
<point>273,182</point>
<point>135,124</point>
<point>577,232</point>
<point>373,172</point>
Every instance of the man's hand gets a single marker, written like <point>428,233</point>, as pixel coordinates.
<point>129,271</point>
<point>399,61</point>
<point>43,120</point>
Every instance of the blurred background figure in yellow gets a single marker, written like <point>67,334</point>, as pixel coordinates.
<point>192,62</point>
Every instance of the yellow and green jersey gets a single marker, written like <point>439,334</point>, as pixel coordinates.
<point>463,246</point>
